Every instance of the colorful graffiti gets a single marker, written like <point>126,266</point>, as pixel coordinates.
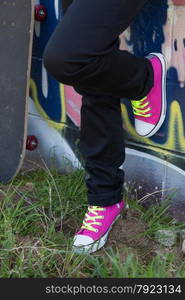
<point>55,109</point>
<point>159,28</point>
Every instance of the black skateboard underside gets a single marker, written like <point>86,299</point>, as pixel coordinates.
<point>16,22</point>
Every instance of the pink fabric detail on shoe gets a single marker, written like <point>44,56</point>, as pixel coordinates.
<point>155,95</point>
<point>110,213</point>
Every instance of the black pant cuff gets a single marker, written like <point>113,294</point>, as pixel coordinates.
<point>105,199</point>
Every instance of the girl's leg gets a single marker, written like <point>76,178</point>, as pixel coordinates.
<point>102,146</point>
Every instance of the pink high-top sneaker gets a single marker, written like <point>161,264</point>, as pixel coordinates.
<point>94,231</point>
<point>150,111</point>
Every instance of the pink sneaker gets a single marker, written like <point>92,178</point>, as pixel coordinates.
<point>150,111</point>
<point>97,223</point>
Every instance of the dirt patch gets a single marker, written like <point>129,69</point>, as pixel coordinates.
<point>128,232</point>
<point>128,237</point>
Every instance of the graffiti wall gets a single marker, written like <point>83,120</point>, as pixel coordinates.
<point>154,167</point>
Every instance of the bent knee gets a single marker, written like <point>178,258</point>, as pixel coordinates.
<point>54,62</point>
<point>62,64</point>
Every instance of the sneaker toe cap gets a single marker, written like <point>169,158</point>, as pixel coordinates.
<point>82,240</point>
<point>143,128</point>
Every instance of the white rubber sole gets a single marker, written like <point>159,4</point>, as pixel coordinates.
<point>164,102</point>
<point>96,245</point>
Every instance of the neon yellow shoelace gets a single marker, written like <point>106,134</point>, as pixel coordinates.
<point>139,108</point>
<point>94,210</point>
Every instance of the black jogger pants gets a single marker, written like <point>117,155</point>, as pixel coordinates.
<point>84,52</point>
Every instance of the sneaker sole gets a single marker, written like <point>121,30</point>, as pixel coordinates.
<point>164,102</point>
<point>96,245</point>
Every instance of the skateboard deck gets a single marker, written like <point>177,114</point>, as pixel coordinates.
<point>16,35</point>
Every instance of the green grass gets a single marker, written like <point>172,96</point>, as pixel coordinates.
<point>41,210</point>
